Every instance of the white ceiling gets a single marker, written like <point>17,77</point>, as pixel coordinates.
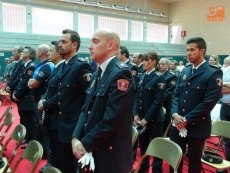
<point>167,1</point>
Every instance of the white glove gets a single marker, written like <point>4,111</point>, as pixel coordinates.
<point>87,159</point>
<point>182,131</point>
<point>91,163</point>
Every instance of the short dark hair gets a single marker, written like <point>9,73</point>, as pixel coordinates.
<point>20,49</point>
<point>32,52</point>
<point>174,61</point>
<point>55,43</point>
<point>125,51</point>
<point>201,44</point>
<point>74,36</point>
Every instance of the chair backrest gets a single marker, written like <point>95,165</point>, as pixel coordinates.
<point>18,136</point>
<point>5,126</point>
<point>8,110</point>
<point>33,153</point>
<point>52,169</point>
<point>134,135</point>
<point>221,128</point>
<point>165,149</point>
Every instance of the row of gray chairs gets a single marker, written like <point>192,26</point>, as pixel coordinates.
<point>33,151</point>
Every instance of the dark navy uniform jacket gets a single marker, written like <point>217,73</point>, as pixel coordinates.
<point>133,69</point>
<point>105,123</point>
<point>195,96</point>
<point>74,79</point>
<point>149,98</point>
<point>51,104</point>
<point>14,78</point>
<point>22,92</point>
<point>170,80</point>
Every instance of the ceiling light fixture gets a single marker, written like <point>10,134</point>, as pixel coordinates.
<point>115,7</point>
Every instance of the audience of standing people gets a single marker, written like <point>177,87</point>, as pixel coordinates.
<point>73,111</point>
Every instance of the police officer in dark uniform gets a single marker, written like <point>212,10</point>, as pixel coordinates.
<point>16,70</point>
<point>22,94</point>
<point>197,91</point>
<point>49,105</point>
<point>148,111</point>
<point>74,78</point>
<point>170,80</point>
<point>124,57</point>
<point>38,84</point>
<point>104,126</point>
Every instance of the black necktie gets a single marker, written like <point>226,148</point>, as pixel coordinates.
<point>99,74</point>
<point>63,67</point>
<point>193,70</point>
<point>98,78</point>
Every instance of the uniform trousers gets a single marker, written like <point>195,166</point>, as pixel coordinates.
<point>27,119</point>
<point>54,147</point>
<point>68,162</point>
<point>152,131</point>
<point>195,149</point>
<point>42,134</point>
<point>225,115</point>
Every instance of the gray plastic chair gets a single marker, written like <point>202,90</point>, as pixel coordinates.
<point>164,149</point>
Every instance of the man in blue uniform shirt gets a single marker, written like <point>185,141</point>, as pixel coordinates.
<point>197,91</point>
<point>38,85</point>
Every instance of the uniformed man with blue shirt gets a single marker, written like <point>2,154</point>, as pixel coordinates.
<point>38,85</point>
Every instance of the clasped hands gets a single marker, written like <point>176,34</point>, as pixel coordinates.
<point>82,155</point>
<point>180,123</point>
<point>137,121</point>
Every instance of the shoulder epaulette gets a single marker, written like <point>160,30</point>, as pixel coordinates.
<point>133,64</point>
<point>187,65</point>
<point>214,66</point>
<point>171,73</point>
<point>122,65</point>
<point>158,73</point>
<point>81,59</point>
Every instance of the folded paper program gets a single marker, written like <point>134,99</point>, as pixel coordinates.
<point>87,159</point>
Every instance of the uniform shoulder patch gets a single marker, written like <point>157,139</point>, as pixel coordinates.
<point>173,82</point>
<point>122,65</point>
<point>219,82</point>
<point>87,76</point>
<point>30,72</point>
<point>122,84</point>
<point>41,73</point>
<point>161,85</point>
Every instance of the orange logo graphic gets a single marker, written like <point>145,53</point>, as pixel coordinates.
<point>216,14</point>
